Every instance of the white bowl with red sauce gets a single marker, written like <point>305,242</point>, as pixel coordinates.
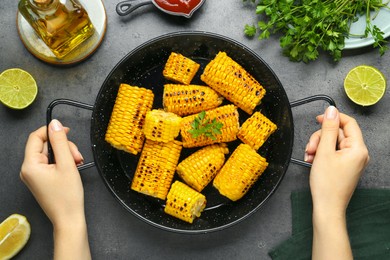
<point>173,7</point>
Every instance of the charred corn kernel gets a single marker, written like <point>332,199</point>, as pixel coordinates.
<point>184,203</point>
<point>233,82</point>
<point>198,169</point>
<point>227,115</point>
<point>256,130</point>
<point>156,168</point>
<point>161,126</point>
<point>180,69</point>
<point>240,172</point>
<point>185,100</point>
<point>124,130</point>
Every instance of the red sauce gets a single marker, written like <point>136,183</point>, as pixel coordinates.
<point>178,6</point>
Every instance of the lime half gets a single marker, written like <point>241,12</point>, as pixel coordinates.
<point>365,85</point>
<point>18,88</point>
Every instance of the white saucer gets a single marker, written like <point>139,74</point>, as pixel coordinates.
<point>382,21</point>
<point>39,49</point>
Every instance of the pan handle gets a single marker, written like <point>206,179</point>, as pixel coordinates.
<point>125,7</point>
<point>305,101</point>
<point>49,118</point>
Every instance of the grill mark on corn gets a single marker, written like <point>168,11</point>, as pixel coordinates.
<point>189,99</point>
<point>233,82</point>
<point>124,131</point>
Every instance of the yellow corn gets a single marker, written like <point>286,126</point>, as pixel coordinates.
<point>233,82</point>
<point>180,69</point>
<point>156,168</point>
<point>161,126</point>
<point>240,172</point>
<point>185,100</point>
<point>198,169</point>
<point>124,130</point>
<point>256,130</point>
<point>184,203</point>
<point>227,115</point>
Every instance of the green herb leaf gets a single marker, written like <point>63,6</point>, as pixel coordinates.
<point>201,116</point>
<point>250,30</point>
<point>260,9</point>
<point>202,126</point>
<point>310,26</point>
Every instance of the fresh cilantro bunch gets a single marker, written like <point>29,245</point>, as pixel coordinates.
<point>202,126</point>
<point>309,26</point>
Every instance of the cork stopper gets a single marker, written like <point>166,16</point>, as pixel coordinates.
<point>42,3</point>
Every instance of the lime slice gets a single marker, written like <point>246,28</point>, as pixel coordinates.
<point>14,234</point>
<point>18,88</point>
<point>365,85</point>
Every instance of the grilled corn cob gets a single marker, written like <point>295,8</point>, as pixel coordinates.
<point>161,126</point>
<point>184,203</point>
<point>124,130</point>
<point>227,115</point>
<point>256,130</point>
<point>233,82</point>
<point>185,100</point>
<point>156,168</point>
<point>240,172</point>
<point>198,169</point>
<point>180,69</point>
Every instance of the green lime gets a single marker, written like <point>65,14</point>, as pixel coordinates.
<point>18,88</point>
<point>365,85</point>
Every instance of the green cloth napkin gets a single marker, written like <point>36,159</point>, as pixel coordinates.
<point>368,221</point>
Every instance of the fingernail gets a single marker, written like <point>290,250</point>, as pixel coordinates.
<point>82,158</point>
<point>331,112</point>
<point>80,163</point>
<point>306,157</point>
<point>56,125</point>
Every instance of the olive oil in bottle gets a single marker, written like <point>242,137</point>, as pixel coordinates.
<point>61,24</point>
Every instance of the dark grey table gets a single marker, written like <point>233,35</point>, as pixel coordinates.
<point>113,232</point>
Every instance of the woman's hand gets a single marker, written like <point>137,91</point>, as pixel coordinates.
<point>58,188</point>
<point>339,155</point>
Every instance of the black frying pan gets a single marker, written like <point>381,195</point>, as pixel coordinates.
<point>143,67</point>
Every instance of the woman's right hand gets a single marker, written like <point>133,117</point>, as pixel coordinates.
<point>339,156</point>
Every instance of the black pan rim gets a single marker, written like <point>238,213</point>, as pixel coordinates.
<point>100,170</point>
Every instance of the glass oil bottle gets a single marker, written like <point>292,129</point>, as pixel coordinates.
<point>61,24</point>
